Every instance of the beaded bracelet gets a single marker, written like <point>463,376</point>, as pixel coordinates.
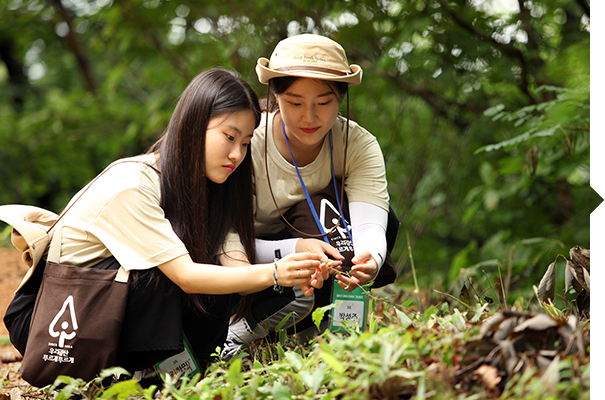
<point>276,287</point>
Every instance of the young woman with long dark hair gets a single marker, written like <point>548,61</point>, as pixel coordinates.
<point>172,216</point>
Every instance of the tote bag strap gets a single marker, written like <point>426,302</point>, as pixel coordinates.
<point>56,237</point>
<point>49,231</point>
<point>54,254</point>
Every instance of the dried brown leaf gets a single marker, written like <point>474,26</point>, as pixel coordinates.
<point>546,289</point>
<point>505,329</point>
<point>577,273</point>
<point>490,377</point>
<point>587,279</point>
<point>543,362</point>
<point>572,322</point>
<point>580,256</point>
<point>570,280</point>
<point>464,295</point>
<point>491,325</point>
<point>509,355</point>
<point>551,376</point>
<point>539,322</point>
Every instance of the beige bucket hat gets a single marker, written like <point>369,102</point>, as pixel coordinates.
<point>30,232</point>
<point>309,56</point>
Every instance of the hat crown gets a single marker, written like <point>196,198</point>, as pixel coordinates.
<point>311,51</point>
<point>308,56</point>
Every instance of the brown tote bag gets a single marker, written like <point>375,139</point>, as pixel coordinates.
<point>76,321</point>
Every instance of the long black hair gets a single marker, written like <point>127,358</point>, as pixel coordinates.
<point>202,212</point>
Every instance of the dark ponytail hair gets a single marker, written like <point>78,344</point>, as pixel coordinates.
<point>200,211</point>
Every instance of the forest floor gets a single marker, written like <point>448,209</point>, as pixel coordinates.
<point>574,369</point>
<point>12,387</point>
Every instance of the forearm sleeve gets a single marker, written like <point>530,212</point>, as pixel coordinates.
<point>267,250</point>
<point>369,224</point>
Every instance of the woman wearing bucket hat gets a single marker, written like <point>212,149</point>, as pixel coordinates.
<point>169,217</point>
<point>301,146</point>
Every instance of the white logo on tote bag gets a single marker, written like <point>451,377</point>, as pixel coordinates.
<point>62,334</point>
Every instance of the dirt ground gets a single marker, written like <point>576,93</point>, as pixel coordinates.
<point>12,271</point>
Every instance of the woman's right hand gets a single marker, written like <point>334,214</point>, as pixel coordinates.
<point>330,255</point>
<point>302,269</point>
<point>297,268</point>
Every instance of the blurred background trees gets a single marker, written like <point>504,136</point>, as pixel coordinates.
<point>481,108</point>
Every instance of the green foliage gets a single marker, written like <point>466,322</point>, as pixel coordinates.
<point>404,354</point>
<point>319,313</point>
<point>482,112</point>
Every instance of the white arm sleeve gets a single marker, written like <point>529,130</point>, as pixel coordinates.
<point>266,249</point>
<point>369,223</point>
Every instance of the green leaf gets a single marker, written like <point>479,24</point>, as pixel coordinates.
<point>326,354</point>
<point>490,112</point>
<point>404,319</point>
<point>123,390</point>
<point>461,260</point>
<point>319,313</point>
<point>281,392</point>
<point>234,373</point>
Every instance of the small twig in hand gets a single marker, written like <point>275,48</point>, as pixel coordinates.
<point>363,287</point>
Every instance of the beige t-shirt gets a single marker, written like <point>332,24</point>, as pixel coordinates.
<point>120,215</point>
<point>365,178</point>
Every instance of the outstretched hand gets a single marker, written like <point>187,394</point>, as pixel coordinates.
<point>331,262</point>
<point>303,269</point>
<point>318,278</point>
<point>364,270</point>
<point>297,268</point>
<point>319,247</point>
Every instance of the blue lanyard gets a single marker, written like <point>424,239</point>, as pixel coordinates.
<point>308,197</point>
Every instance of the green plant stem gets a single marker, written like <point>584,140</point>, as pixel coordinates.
<point>492,286</point>
<point>369,293</point>
<point>501,288</point>
<point>453,297</point>
<point>416,288</point>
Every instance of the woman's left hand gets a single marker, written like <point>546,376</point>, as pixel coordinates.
<point>364,270</point>
<point>329,255</point>
<point>316,280</point>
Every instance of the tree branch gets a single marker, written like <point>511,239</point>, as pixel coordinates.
<point>16,78</point>
<point>532,38</point>
<point>508,49</point>
<point>431,98</point>
<point>76,48</point>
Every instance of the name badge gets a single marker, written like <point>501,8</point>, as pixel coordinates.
<point>350,309</point>
<point>183,364</point>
